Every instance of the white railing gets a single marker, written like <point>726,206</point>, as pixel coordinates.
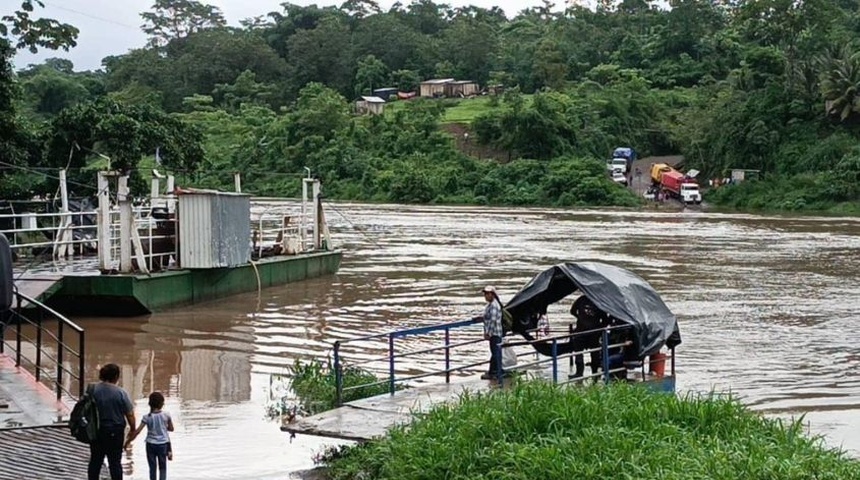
<point>149,244</point>
<point>277,230</point>
<point>33,233</point>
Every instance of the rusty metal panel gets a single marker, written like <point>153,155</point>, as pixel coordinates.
<point>214,229</point>
<point>45,453</point>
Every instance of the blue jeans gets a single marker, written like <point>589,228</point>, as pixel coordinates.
<point>108,444</point>
<point>157,453</point>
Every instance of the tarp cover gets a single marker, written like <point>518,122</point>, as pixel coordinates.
<point>618,292</point>
<point>623,152</point>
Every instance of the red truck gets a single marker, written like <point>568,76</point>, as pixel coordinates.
<point>681,187</point>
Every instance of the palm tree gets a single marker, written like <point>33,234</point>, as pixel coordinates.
<point>840,81</point>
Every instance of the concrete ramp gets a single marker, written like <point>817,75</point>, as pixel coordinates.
<point>39,287</point>
<point>368,418</point>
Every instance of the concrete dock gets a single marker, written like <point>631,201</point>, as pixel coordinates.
<point>34,440</point>
<point>368,418</point>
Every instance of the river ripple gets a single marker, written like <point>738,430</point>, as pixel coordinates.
<point>767,305</point>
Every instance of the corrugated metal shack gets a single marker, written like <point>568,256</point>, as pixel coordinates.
<point>434,87</point>
<point>214,229</point>
<point>370,106</point>
<point>461,88</point>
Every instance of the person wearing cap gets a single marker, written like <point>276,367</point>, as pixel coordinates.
<point>493,330</point>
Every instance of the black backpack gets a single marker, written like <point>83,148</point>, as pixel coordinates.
<point>84,420</point>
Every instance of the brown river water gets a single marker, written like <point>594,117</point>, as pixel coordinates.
<point>768,308</point>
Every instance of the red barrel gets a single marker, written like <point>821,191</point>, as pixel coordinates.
<point>658,364</point>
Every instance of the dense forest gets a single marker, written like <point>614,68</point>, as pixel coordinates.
<point>770,85</point>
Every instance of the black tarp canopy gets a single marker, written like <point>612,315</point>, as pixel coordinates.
<point>616,291</point>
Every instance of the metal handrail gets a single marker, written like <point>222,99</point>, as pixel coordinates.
<point>393,380</point>
<point>62,372</point>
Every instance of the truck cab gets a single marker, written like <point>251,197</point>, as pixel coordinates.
<point>690,193</point>
<point>619,164</point>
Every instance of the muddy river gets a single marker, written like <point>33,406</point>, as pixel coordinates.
<point>768,308</point>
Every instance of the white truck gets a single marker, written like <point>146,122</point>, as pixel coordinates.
<point>617,163</point>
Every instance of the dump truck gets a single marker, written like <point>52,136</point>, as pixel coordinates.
<point>675,184</point>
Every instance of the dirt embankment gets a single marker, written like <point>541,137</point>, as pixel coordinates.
<point>467,142</point>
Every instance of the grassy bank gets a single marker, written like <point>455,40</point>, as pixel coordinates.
<point>537,430</point>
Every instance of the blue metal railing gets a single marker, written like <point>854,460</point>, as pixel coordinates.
<point>33,313</point>
<point>392,355</point>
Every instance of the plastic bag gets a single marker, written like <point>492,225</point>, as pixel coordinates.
<point>509,356</point>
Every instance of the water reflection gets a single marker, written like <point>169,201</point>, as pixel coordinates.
<point>767,307</point>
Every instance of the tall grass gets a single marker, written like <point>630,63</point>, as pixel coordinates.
<point>313,383</point>
<point>539,431</point>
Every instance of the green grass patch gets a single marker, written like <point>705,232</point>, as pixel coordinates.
<point>456,110</point>
<point>466,110</point>
<point>538,430</point>
<point>314,386</point>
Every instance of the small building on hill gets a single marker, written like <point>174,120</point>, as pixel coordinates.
<point>370,106</point>
<point>385,93</point>
<point>461,88</point>
<point>434,87</point>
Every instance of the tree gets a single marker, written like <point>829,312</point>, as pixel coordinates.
<point>124,133</point>
<point>33,33</point>
<point>246,90</point>
<point>840,82</point>
<point>177,19</point>
<point>19,147</point>
<point>371,73</point>
<point>322,55</point>
<point>405,80</point>
<point>49,91</point>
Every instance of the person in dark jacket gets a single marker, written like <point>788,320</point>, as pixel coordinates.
<point>589,321</point>
<point>115,410</point>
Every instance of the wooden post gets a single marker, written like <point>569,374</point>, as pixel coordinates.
<point>237,182</point>
<point>103,216</point>
<point>126,224</point>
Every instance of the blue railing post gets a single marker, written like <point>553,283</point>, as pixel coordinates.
<point>391,363</point>
<point>338,375</point>
<point>447,355</point>
<point>604,353</point>
<point>554,360</point>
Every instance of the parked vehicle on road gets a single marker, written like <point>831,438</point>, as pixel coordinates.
<point>619,177</point>
<point>675,184</point>
<point>619,164</point>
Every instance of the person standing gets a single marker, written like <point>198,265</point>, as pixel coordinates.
<point>589,320</point>
<point>158,449</point>
<point>115,410</point>
<point>493,331</point>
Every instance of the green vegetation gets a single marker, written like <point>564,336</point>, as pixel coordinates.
<point>313,382</point>
<point>766,84</point>
<point>537,430</point>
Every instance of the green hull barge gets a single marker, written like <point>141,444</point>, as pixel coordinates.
<point>139,294</point>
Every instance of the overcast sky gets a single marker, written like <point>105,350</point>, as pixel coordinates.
<point>112,27</point>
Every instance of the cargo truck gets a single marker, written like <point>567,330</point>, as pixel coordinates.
<point>675,184</point>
